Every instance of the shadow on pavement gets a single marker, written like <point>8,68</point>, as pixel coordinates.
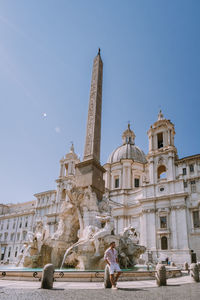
<point>131,289</point>
<point>173,285</point>
<point>53,289</point>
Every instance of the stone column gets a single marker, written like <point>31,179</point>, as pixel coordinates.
<point>150,143</point>
<point>182,228</point>
<point>170,171</point>
<point>124,183</point>
<point>151,230</point>
<point>62,170</point>
<point>107,177</point>
<point>151,170</point>
<point>143,223</point>
<point>169,137</point>
<point>126,175</point>
<point>174,229</point>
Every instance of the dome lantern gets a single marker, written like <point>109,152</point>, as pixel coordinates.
<point>128,136</point>
<point>128,150</point>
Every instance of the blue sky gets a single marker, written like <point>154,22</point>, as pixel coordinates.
<point>150,50</point>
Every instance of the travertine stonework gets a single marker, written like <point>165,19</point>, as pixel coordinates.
<point>158,194</point>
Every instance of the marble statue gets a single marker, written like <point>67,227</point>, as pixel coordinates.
<point>89,250</point>
<point>84,232</point>
<point>101,233</point>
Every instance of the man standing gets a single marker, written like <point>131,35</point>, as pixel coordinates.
<point>110,257</point>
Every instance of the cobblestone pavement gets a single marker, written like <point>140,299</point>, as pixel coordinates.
<point>178,288</point>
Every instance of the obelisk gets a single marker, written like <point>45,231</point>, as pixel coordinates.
<point>93,133</point>
<point>89,172</point>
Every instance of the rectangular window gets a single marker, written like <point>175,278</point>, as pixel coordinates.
<point>16,252</point>
<point>196,220</point>
<point>185,184</point>
<point>163,222</point>
<point>160,139</point>
<point>9,250</point>
<point>116,182</point>
<point>24,235</point>
<point>191,168</point>
<point>193,186</point>
<point>184,171</point>
<point>137,182</point>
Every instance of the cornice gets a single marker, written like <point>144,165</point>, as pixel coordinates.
<point>44,193</point>
<point>17,214</point>
<point>161,151</point>
<point>90,162</point>
<point>191,157</point>
<point>164,197</point>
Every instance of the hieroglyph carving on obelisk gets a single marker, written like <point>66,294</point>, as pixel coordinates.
<point>93,134</point>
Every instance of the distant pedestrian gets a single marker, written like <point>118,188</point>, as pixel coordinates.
<point>110,257</point>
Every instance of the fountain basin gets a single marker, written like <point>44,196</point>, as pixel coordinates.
<point>78,276</point>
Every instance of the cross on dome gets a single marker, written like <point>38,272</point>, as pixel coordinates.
<point>72,147</point>
<point>160,115</point>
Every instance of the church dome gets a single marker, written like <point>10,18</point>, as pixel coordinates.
<point>128,150</point>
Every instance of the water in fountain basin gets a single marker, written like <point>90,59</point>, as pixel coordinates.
<point>20,261</point>
<point>65,255</point>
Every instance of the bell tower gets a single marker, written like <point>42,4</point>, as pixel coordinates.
<point>162,152</point>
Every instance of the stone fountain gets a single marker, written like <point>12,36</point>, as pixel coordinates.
<point>86,226</point>
<point>81,246</point>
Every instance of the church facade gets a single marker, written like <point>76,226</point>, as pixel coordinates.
<point>158,194</point>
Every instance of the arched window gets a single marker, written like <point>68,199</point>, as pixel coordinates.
<point>161,172</point>
<point>164,243</point>
<point>160,140</point>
